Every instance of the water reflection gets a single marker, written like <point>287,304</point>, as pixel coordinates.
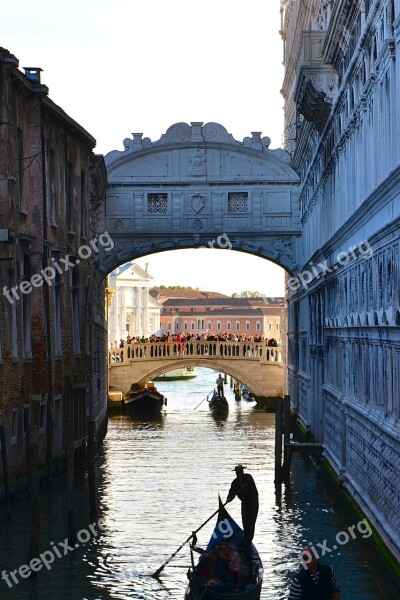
<point>158,479</point>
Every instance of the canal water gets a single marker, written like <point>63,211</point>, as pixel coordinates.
<point>158,480</point>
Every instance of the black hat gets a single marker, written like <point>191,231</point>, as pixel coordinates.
<point>239,468</point>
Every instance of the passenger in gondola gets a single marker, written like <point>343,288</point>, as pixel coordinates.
<point>212,566</point>
<point>238,570</point>
<point>244,487</point>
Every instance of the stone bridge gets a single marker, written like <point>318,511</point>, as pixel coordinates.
<point>192,185</point>
<point>258,366</point>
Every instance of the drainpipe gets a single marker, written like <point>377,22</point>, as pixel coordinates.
<point>46,294</point>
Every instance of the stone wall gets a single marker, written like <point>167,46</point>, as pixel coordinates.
<point>344,313</point>
<point>46,335</point>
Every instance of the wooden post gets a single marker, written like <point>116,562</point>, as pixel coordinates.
<point>278,440</point>
<point>231,381</point>
<point>70,459</point>
<point>91,472</point>
<point>225,378</point>
<point>32,445</point>
<point>287,456</point>
<point>5,472</point>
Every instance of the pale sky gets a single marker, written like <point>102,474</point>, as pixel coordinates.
<point>141,65</point>
<point>225,271</point>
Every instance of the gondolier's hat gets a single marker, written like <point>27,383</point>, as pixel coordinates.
<point>239,468</point>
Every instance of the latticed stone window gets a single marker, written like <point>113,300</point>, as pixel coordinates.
<point>237,202</point>
<point>157,203</point>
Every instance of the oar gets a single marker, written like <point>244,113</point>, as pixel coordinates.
<point>206,398</point>
<point>157,573</point>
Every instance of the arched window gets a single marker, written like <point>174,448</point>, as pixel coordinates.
<point>237,325</point>
<point>218,325</point>
<point>258,325</point>
<point>228,325</point>
<point>247,325</point>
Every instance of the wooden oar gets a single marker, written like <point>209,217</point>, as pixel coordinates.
<point>157,573</point>
<point>206,398</point>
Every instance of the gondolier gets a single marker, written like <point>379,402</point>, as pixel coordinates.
<point>244,487</point>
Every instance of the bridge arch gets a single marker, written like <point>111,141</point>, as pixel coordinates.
<point>258,366</point>
<point>240,374</point>
<point>194,185</point>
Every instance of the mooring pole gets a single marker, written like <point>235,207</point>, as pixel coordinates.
<point>287,456</point>
<point>278,440</point>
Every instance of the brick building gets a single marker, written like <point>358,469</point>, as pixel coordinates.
<point>220,315</point>
<point>49,182</point>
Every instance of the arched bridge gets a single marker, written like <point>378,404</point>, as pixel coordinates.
<point>258,366</point>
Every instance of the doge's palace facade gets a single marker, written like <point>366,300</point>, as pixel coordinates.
<point>342,110</point>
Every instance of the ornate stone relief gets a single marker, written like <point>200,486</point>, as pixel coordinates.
<point>197,163</point>
<point>198,202</point>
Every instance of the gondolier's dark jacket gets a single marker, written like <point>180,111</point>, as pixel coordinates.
<point>310,590</point>
<point>244,488</point>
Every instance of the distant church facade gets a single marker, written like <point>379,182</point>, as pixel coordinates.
<point>342,98</point>
<point>132,310</point>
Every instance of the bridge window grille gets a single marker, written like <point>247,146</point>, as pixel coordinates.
<point>237,202</point>
<point>157,203</point>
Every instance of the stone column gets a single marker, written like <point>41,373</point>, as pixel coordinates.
<point>146,311</point>
<point>137,319</point>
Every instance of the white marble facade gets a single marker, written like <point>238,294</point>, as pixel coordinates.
<point>344,316</point>
<point>132,311</point>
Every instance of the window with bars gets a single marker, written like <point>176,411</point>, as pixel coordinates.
<point>157,204</point>
<point>237,202</point>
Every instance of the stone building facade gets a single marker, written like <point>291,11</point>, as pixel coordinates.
<point>132,311</point>
<point>50,186</point>
<point>342,92</point>
<point>216,316</point>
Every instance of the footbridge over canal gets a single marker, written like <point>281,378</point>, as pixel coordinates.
<point>258,366</point>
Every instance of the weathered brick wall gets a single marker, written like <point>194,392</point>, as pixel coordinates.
<point>46,169</point>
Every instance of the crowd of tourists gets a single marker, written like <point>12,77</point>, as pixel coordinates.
<point>182,339</point>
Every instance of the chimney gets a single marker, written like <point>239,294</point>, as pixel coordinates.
<point>33,73</point>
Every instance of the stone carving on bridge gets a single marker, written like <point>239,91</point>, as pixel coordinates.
<point>198,202</point>
<point>197,163</point>
<point>284,253</point>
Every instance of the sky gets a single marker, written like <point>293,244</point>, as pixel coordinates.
<point>224,270</point>
<point>141,65</point>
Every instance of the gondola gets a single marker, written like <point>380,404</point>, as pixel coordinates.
<point>139,401</point>
<point>218,405</point>
<point>197,588</point>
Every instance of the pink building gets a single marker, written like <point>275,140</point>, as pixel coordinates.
<point>237,316</point>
